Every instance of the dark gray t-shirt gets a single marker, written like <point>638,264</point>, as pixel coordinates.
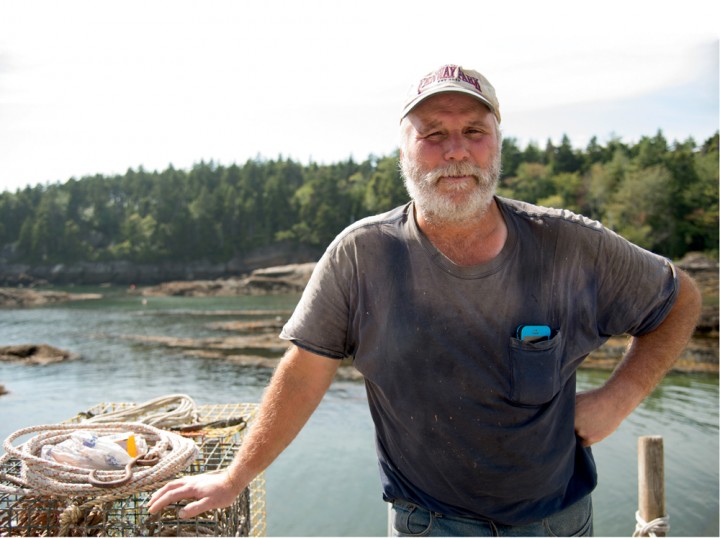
<point>469,420</point>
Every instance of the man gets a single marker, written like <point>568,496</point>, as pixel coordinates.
<point>479,429</point>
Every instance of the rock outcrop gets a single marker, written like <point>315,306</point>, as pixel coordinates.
<point>253,343</point>
<point>22,297</point>
<point>283,279</point>
<point>35,354</point>
<point>705,272</point>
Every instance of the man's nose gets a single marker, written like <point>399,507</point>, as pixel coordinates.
<point>456,148</point>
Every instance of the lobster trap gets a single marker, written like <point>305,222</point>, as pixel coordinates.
<point>219,437</point>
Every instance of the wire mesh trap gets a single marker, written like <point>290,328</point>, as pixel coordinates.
<point>217,440</point>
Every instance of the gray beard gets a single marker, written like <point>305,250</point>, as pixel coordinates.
<point>438,208</point>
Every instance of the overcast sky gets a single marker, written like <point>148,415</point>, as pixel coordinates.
<point>99,86</point>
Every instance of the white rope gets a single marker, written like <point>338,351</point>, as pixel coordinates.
<point>41,476</point>
<point>181,410</point>
<point>645,528</point>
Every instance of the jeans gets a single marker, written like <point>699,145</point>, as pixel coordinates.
<point>411,520</point>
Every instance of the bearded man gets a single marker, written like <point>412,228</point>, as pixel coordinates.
<point>468,315</point>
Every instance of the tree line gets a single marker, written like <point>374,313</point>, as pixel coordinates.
<point>662,196</point>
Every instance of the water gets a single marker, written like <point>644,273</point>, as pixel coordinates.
<point>326,483</point>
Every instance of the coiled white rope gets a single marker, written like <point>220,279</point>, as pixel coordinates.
<point>649,528</point>
<point>40,476</point>
<point>163,412</point>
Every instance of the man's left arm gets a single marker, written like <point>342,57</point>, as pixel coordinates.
<point>649,357</point>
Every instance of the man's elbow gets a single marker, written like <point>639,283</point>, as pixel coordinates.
<point>688,304</point>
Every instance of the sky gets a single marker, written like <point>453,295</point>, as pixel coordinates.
<point>99,86</point>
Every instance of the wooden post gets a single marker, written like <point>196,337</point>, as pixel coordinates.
<point>651,480</point>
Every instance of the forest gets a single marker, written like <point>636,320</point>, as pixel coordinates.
<point>661,195</point>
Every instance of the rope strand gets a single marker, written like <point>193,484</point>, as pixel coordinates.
<point>649,528</point>
<point>185,411</point>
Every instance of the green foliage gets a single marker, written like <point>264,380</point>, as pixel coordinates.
<point>639,207</point>
<point>385,189</point>
<point>662,196</point>
<point>532,182</point>
<point>511,157</point>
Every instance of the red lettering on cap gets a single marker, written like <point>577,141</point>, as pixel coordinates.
<point>448,72</point>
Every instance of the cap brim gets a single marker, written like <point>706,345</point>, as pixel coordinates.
<point>444,89</point>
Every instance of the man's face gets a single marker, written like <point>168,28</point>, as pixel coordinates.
<point>451,157</point>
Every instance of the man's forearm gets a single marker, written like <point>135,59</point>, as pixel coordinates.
<point>296,389</point>
<point>599,412</point>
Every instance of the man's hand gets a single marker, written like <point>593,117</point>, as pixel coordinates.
<point>209,491</point>
<point>595,417</point>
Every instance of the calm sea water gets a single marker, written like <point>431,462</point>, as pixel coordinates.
<point>326,483</point>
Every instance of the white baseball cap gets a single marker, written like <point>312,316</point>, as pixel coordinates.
<point>452,78</point>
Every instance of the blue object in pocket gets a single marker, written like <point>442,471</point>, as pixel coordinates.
<point>533,333</point>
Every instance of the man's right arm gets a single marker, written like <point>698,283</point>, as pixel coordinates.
<point>295,390</point>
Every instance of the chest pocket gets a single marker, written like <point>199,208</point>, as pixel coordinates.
<point>535,370</point>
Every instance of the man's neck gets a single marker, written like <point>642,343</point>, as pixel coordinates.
<point>470,242</point>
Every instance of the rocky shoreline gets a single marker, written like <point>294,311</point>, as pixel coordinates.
<point>273,280</point>
<point>125,273</point>
<point>282,279</point>
<point>23,297</point>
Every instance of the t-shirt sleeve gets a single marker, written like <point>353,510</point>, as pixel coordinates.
<point>320,321</point>
<point>636,288</point>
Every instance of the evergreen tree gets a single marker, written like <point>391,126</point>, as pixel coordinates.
<point>565,159</point>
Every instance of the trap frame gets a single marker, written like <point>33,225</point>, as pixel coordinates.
<point>40,515</point>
